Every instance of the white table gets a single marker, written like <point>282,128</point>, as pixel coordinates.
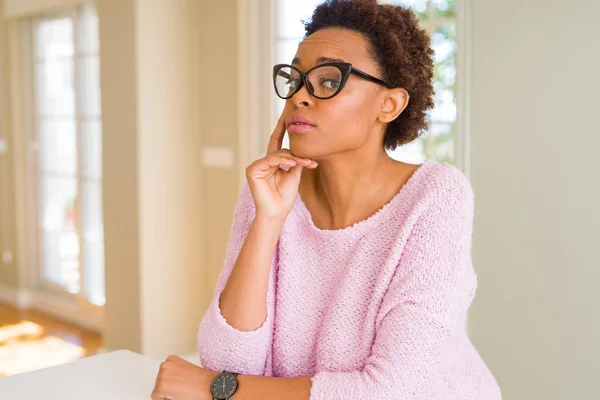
<point>118,375</point>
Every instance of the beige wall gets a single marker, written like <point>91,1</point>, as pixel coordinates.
<point>13,8</point>
<point>535,147</point>
<point>169,83</point>
<point>118,77</point>
<point>8,270</point>
<point>218,111</point>
<point>170,175</point>
<point>156,75</point>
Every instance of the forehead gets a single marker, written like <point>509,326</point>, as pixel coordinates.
<point>337,43</point>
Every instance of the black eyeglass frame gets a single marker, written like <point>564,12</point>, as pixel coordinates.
<point>346,69</point>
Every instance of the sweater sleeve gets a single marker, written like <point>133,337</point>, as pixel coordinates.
<point>415,334</point>
<point>221,346</point>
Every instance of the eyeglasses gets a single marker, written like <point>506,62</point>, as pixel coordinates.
<point>323,81</point>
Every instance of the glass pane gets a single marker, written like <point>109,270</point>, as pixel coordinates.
<point>58,203</point>
<point>443,42</point>
<point>61,259</point>
<point>55,87</point>
<point>65,224</point>
<point>444,45</point>
<point>412,153</point>
<point>58,146</point>
<point>93,229</point>
<point>87,29</point>
<point>444,8</point>
<point>285,50</point>
<point>418,6</point>
<point>439,142</point>
<point>93,276</point>
<point>60,242</point>
<point>91,149</point>
<point>93,236</point>
<point>290,14</point>
<point>89,86</point>
<point>51,263</point>
<point>54,38</point>
<point>445,104</point>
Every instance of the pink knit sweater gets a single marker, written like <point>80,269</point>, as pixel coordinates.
<point>373,311</point>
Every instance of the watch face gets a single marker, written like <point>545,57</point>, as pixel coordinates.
<point>223,386</point>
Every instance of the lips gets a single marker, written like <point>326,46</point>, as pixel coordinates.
<point>300,124</point>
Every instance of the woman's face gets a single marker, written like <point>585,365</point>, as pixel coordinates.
<point>348,120</point>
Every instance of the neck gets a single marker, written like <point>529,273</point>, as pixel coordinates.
<point>349,186</point>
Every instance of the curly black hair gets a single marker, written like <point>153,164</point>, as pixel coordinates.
<point>401,49</point>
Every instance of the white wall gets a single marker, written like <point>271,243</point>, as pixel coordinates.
<point>535,149</point>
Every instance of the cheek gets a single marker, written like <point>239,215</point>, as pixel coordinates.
<point>345,122</point>
<point>350,116</point>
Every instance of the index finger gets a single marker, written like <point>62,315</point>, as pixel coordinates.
<point>276,140</point>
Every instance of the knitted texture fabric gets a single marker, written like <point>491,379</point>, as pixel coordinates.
<point>376,310</point>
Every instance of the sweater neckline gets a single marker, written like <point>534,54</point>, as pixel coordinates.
<point>372,219</point>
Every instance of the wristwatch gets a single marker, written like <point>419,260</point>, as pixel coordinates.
<point>224,385</point>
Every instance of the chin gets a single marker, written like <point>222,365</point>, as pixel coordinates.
<point>302,148</point>
<point>296,150</point>
<point>300,152</point>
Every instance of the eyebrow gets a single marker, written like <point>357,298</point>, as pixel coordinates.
<point>320,60</point>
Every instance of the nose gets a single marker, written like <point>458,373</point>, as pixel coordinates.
<point>302,98</point>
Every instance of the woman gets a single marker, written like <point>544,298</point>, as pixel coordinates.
<point>348,275</point>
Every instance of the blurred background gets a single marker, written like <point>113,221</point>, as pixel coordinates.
<point>126,127</point>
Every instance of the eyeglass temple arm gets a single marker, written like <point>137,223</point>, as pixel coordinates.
<point>370,77</point>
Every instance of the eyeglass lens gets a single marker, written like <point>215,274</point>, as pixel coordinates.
<point>323,82</point>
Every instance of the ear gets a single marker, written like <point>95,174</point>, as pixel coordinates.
<point>394,102</point>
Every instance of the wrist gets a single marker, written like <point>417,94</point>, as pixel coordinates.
<point>269,220</point>
<point>209,377</point>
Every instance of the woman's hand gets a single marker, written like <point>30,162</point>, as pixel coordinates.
<point>274,190</point>
<point>181,380</point>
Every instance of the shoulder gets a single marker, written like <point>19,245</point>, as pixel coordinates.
<point>445,185</point>
<point>449,180</point>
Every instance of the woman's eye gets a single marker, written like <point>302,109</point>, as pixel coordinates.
<point>331,84</point>
<point>293,83</point>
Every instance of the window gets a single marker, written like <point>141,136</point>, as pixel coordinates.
<point>439,19</point>
<point>68,130</point>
